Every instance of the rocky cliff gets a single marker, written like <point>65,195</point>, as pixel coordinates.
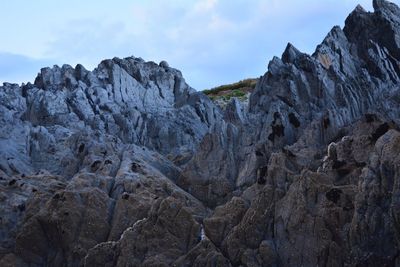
<point>126,165</point>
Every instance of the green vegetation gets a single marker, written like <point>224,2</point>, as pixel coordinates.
<point>238,93</point>
<point>235,93</point>
<point>247,83</point>
<point>221,95</point>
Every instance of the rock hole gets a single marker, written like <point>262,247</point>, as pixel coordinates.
<point>125,196</point>
<point>293,120</point>
<point>95,165</point>
<point>68,83</point>
<point>261,173</point>
<point>338,164</point>
<point>138,185</point>
<point>326,122</point>
<point>370,117</point>
<point>277,131</point>
<point>343,172</point>
<point>12,182</point>
<point>136,168</point>
<point>333,195</point>
<point>259,153</point>
<point>261,180</point>
<point>81,148</point>
<point>21,207</point>
<point>381,130</point>
<point>108,162</point>
<point>361,164</point>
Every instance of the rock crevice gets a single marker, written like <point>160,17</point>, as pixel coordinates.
<point>127,165</point>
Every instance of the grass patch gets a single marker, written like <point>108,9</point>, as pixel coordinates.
<point>223,94</point>
<point>247,83</point>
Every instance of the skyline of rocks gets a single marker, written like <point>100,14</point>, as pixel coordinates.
<point>127,165</point>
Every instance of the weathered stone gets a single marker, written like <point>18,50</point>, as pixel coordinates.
<point>126,165</point>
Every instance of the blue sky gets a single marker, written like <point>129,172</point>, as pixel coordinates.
<point>211,41</point>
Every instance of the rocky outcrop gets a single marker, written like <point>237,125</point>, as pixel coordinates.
<point>168,232</point>
<point>126,165</point>
<point>132,100</point>
<point>95,206</point>
<point>80,127</point>
<point>306,100</point>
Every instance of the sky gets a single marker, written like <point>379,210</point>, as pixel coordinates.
<point>212,42</point>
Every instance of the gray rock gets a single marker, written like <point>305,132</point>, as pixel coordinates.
<point>127,165</point>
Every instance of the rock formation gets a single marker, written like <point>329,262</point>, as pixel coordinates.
<point>126,165</point>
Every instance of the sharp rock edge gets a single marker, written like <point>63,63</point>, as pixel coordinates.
<point>127,165</point>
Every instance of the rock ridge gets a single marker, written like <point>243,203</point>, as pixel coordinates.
<point>127,165</point>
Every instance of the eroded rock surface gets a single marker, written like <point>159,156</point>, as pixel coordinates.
<point>126,165</point>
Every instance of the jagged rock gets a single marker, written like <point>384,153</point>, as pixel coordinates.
<point>234,112</point>
<point>21,196</point>
<point>204,254</point>
<point>126,165</point>
<point>168,232</point>
<point>95,207</point>
<point>137,102</point>
<point>224,219</point>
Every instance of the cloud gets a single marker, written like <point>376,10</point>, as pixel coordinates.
<point>88,41</point>
<point>19,68</point>
<point>211,41</point>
